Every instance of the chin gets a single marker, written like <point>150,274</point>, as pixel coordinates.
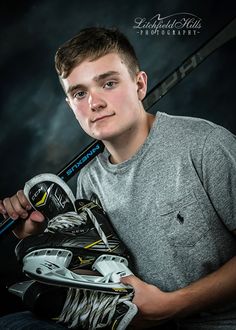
<point>105,137</point>
<point>103,134</point>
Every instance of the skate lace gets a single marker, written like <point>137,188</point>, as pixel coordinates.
<point>90,309</point>
<point>72,220</point>
<point>67,220</point>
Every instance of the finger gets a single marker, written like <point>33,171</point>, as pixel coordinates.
<point>23,200</point>
<point>131,279</point>
<point>33,225</point>
<point>18,208</point>
<point>37,216</point>
<point>2,208</point>
<point>10,209</point>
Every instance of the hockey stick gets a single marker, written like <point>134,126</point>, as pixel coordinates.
<point>68,171</point>
<point>188,65</point>
<point>154,95</point>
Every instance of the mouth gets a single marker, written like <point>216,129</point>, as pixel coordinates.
<point>100,118</point>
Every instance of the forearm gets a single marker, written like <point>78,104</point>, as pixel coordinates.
<point>213,290</point>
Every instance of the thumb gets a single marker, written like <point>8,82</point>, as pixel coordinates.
<point>37,216</point>
<point>131,280</point>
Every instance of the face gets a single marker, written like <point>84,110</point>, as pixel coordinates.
<point>104,97</point>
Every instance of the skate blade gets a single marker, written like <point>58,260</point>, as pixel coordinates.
<point>49,266</point>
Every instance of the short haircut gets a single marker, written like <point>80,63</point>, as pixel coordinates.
<point>93,43</point>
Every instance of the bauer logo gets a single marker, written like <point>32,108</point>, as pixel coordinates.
<point>178,24</point>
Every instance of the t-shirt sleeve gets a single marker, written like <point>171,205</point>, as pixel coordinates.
<point>219,173</point>
<point>85,188</point>
<point>81,186</point>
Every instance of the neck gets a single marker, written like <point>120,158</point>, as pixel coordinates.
<point>127,144</point>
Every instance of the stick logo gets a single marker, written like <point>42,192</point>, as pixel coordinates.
<point>44,198</point>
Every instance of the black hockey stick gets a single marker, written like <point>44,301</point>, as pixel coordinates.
<point>154,95</point>
<point>188,65</point>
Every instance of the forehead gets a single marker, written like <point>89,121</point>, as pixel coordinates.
<point>88,70</point>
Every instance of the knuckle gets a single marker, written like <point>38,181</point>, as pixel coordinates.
<point>6,202</point>
<point>22,198</point>
<point>19,192</point>
<point>12,206</point>
<point>14,201</point>
<point>2,208</point>
<point>19,210</point>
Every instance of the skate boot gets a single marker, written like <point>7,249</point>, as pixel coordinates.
<point>79,259</point>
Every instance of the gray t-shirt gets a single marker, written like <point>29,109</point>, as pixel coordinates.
<point>174,202</point>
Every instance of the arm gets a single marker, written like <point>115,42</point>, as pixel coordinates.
<point>219,180</point>
<point>213,290</point>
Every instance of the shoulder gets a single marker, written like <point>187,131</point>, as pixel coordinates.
<point>194,130</point>
<point>189,124</point>
<point>220,148</point>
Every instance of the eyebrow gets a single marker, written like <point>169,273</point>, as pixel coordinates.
<point>106,75</point>
<point>98,78</point>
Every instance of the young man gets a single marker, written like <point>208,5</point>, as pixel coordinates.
<point>166,182</point>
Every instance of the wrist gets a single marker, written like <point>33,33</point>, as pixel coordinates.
<point>177,303</point>
<point>167,305</point>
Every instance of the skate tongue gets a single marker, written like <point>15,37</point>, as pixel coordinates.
<point>50,195</point>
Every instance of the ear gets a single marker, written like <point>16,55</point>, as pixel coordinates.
<point>68,102</point>
<point>141,79</point>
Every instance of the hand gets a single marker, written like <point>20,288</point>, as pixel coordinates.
<point>17,207</point>
<point>152,303</point>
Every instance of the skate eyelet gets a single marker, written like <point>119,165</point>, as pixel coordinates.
<point>38,271</point>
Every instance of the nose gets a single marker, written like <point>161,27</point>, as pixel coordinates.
<point>96,102</point>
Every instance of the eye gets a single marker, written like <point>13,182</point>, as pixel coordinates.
<point>110,84</point>
<point>79,95</point>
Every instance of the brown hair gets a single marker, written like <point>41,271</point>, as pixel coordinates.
<point>92,43</point>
